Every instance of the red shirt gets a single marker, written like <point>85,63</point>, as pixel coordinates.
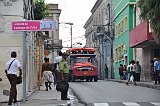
<point>120,69</point>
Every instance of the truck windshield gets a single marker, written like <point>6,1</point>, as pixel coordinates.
<point>79,60</point>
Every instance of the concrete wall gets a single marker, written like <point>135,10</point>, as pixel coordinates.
<point>12,41</point>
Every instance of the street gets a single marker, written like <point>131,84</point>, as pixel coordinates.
<point>101,93</point>
<point>108,93</point>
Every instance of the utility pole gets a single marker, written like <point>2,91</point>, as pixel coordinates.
<point>24,65</point>
<point>110,40</point>
<point>71,35</point>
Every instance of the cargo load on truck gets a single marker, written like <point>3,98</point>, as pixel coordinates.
<point>83,64</point>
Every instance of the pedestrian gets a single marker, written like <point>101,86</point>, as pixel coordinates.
<point>132,73</point>
<point>157,70</point>
<point>12,68</point>
<point>121,71</point>
<point>138,72</point>
<point>47,73</point>
<point>152,73</point>
<point>64,70</point>
<point>56,71</point>
<point>106,71</point>
<point>128,71</point>
<point>125,72</point>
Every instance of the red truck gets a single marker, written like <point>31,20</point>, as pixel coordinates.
<point>82,63</point>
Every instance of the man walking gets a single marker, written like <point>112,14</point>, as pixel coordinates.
<point>64,70</point>
<point>12,67</point>
<point>132,72</point>
<point>157,70</point>
<point>56,68</point>
<point>138,71</point>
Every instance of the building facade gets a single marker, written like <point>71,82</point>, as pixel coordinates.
<point>52,37</point>
<point>124,11</point>
<point>17,10</point>
<point>95,34</point>
<point>146,48</point>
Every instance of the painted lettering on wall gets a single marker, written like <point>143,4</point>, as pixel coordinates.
<point>8,2</point>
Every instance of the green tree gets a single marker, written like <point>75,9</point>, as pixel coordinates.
<point>40,10</point>
<point>150,11</point>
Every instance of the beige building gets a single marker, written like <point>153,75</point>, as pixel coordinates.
<point>52,37</point>
<point>10,11</point>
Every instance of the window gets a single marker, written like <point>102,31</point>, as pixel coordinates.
<point>122,26</point>
<point>119,53</point>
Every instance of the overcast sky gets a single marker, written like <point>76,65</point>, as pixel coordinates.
<point>76,12</point>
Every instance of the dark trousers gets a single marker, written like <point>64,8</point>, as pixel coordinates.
<point>48,84</point>
<point>157,76</point>
<point>64,94</point>
<point>138,77</point>
<point>57,77</point>
<point>13,90</point>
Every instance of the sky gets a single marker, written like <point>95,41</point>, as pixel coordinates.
<point>76,12</point>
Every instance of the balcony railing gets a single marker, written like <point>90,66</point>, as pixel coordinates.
<point>53,44</point>
<point>57,43</point>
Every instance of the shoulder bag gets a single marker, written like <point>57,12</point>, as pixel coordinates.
<point>62,86</point>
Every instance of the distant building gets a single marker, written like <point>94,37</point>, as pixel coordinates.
<point>52,37</point>
<point>95,34</point>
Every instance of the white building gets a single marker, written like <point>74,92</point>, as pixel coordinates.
<point>17,10</point>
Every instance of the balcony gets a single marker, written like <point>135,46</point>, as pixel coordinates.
<point>57,43</point>
<point>53,44</point>
<point>140,36</point>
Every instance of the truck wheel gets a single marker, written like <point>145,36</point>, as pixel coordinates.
<point>95,79</point>
<point>73,79</point>
<point>70,78</point>
<point>90,79</point>
<point>87,79</point>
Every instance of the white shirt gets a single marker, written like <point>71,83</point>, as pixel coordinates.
<point>14,66</point>
<point>57,60</point>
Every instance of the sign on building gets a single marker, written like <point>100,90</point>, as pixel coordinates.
<point>35,25</point>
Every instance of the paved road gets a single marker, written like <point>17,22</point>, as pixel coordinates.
<point>115,94</point>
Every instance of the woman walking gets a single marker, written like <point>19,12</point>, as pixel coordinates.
<point>47,73</point>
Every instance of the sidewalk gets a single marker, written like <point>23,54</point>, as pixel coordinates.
<point>143,84</point>
<point>45,98</point>
<point>52,97</point>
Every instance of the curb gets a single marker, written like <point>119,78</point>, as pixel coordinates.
<point>138,84</point>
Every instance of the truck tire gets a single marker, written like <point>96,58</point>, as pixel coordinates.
<point>90,79</point>
<point>73,79</point>
<point>95,79</point>
<point>87,79</point>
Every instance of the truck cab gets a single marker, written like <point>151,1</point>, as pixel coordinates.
<point>82,63</point>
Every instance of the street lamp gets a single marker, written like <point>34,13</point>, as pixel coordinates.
<point>69,23</point>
